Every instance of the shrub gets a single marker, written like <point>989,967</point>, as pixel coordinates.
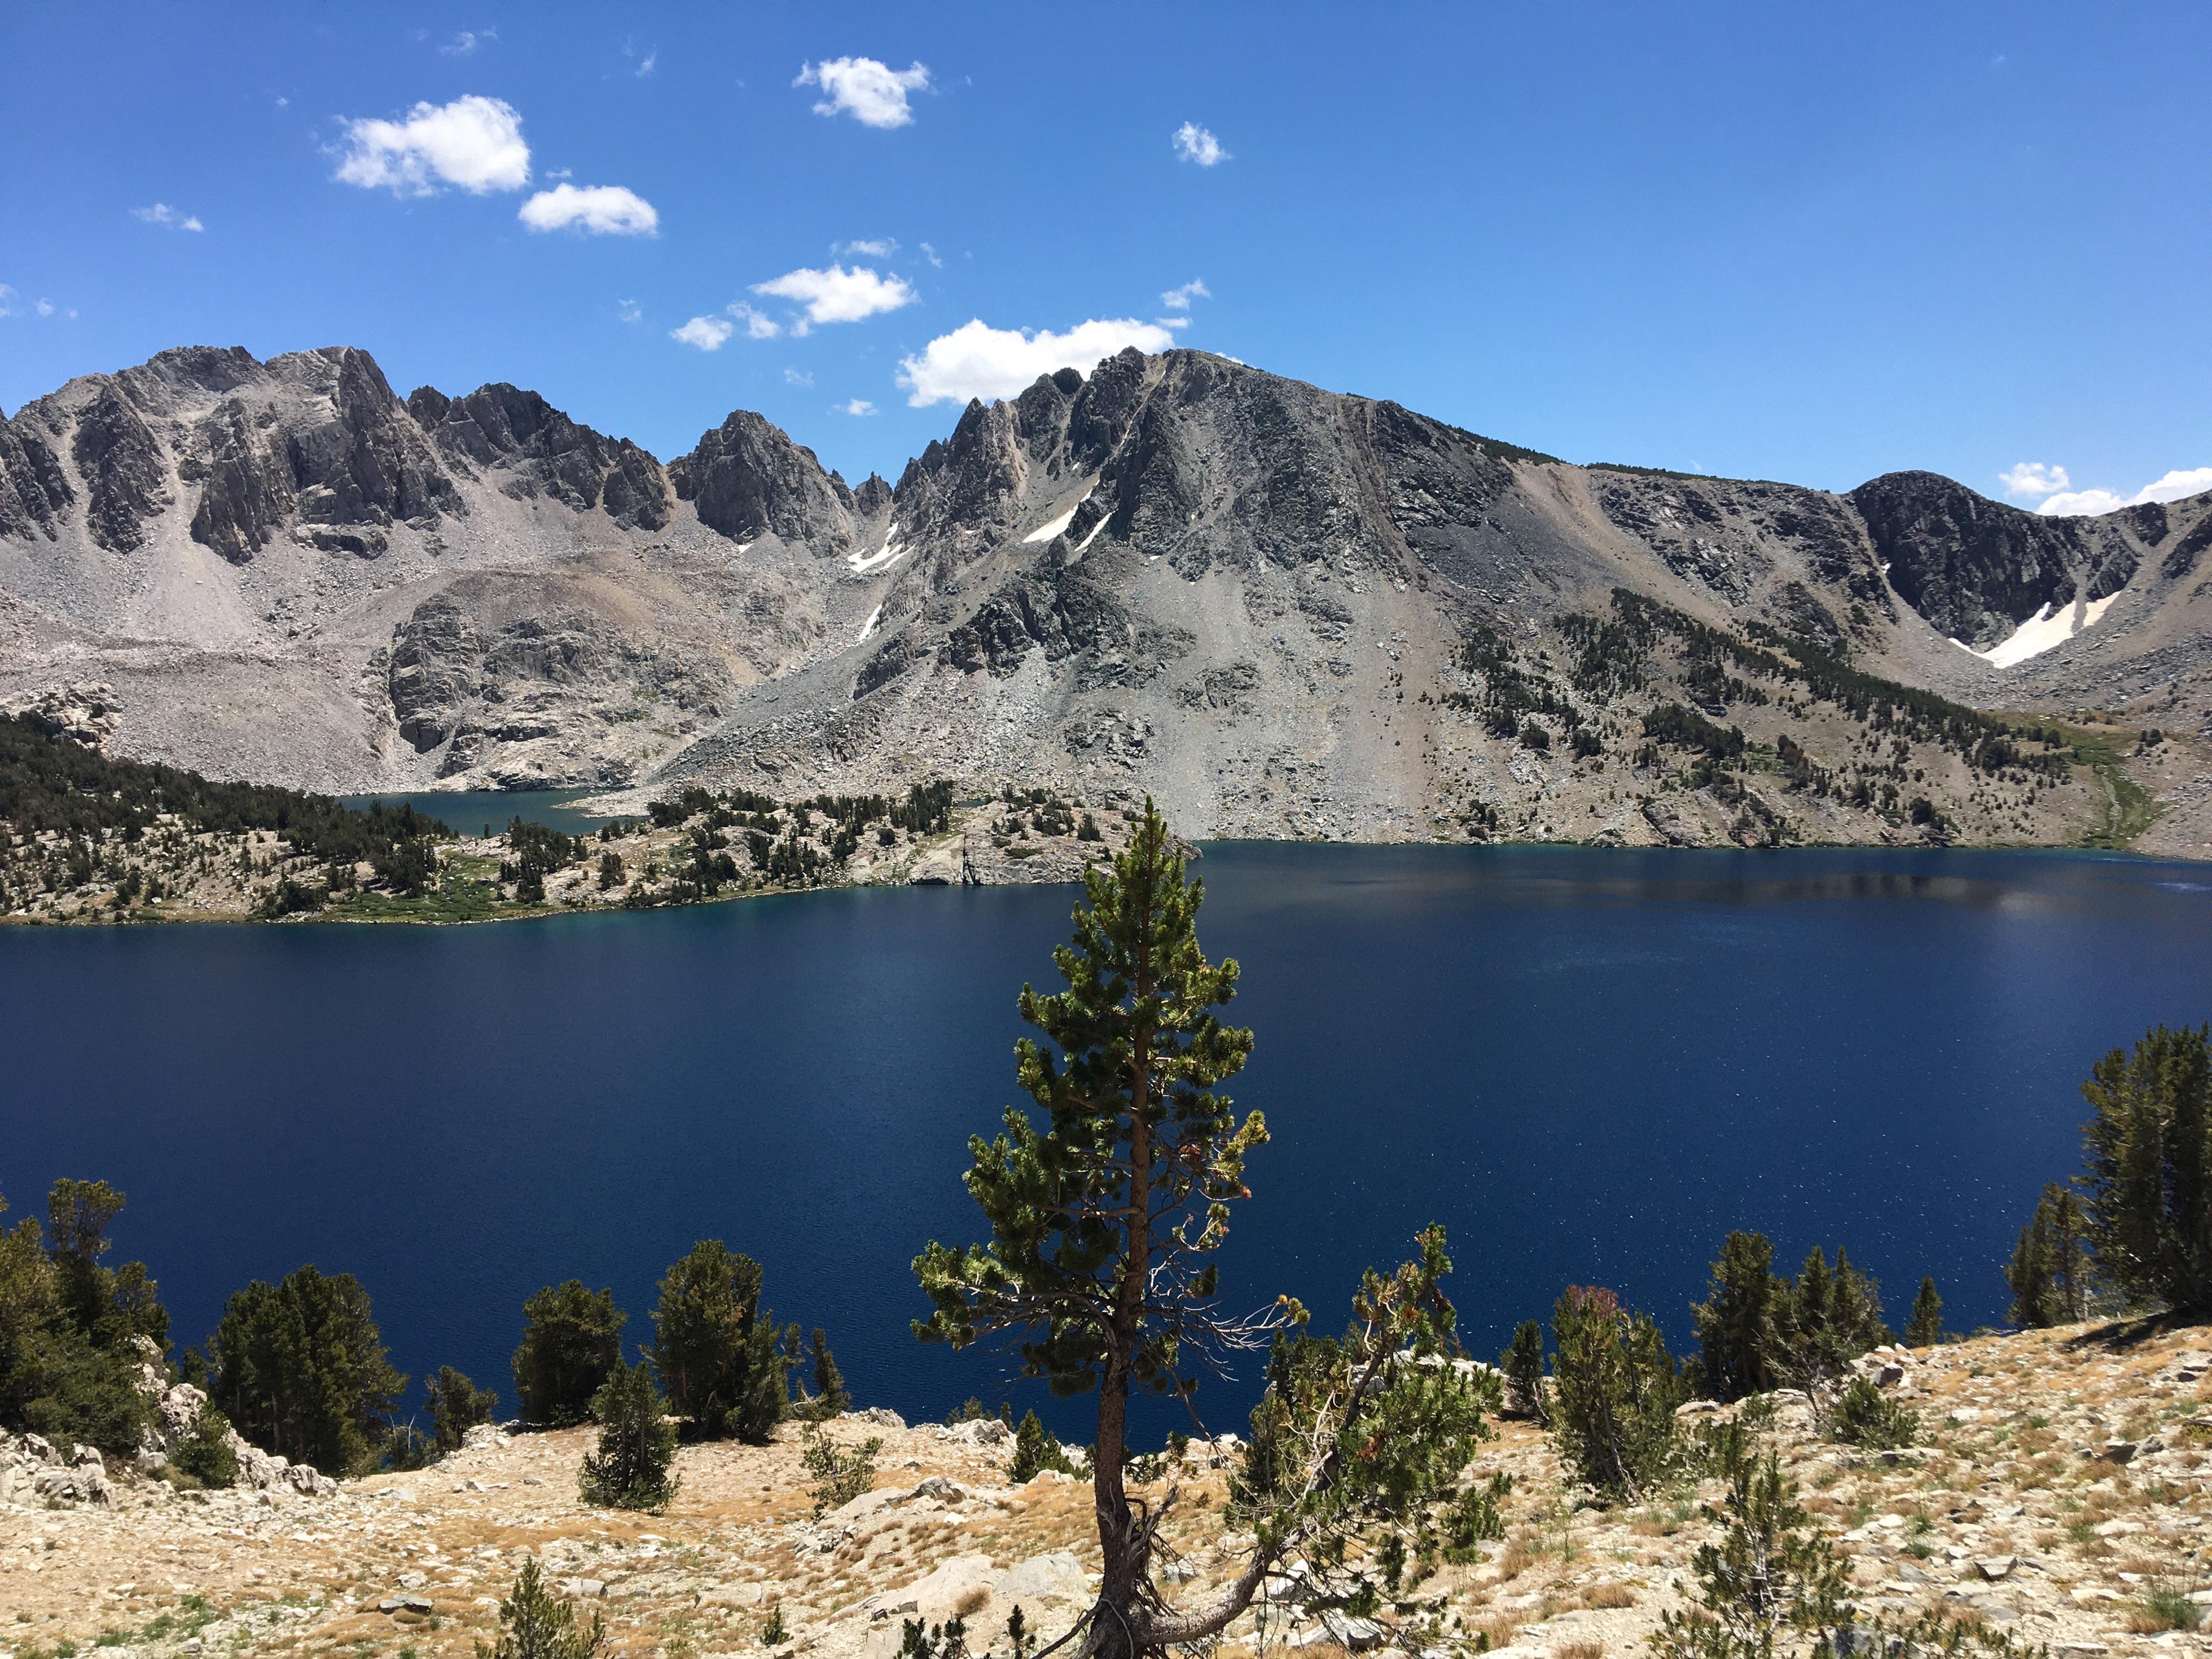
<point>205,1454</point>
<point>716,1349</point>
<point>1473,1519</point>
<point>1614,1389</point>
<point>1771,1576</point>
<point>457,1405</point>
<point>839,1476</point>
<point>630,1470</point>
<point>832,1396</point>
<point>1036,1450</point>
<point>536,1623</point>
<point>571,1340</point>
<point>1867,1417</point>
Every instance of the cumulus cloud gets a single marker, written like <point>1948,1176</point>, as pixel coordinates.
<point>45,308</point>
<point>759,325</point>
<point>2172,487</point>
<point>600,209</point>
<point>1179,299</point>
<point>873,93</point>
<point>167,217</point>
<point>2033,478</point>
<point>872,247</point>
<point>707,333</point>
<point>1192,143</point>
<point>858,406</point>
<point>465,43</point>
<point>977,360</point>
<point>838,296</point>
<point>473,142</point>
<point>930,254</point>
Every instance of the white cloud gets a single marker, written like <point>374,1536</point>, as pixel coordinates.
<point>930,254</point>
<point>1179,299</point>
<point>873,93</point>
<point>2081,504</point>
<point>839,295</point>
<point>2033,478</point>
<point>708,333</point>
<point>646,65</point>
<point>631,311</point>
<point>602,210</point>
<point>874,247</point>
<point>794,377</point>
<point>167,216</point>
<point>976,361</point>
<point>857,406</point>
<point>8,301</point>
<point>465,43</point>
<point>759,325</point>
<point>1192,143</point>
<point>2172,487</point>
<point>474,143</point>
<point>1172,322</point>
<point>45,308</point>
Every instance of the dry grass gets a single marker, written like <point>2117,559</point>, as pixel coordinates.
<point>1579,1651</point>
<point>1499,1627</point>
<point>972,1602</point>
<point>1608,1594</point>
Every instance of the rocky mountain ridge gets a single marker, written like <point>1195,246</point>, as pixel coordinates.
<point>1247,596</point>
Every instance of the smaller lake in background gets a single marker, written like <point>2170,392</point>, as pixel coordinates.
<point>474,812</point>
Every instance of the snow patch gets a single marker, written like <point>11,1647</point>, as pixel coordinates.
<point>869,627</point>
<point>1093,536</point>
<point>888,554</point>
<point>2051,626</point>
<point>1045,533</point>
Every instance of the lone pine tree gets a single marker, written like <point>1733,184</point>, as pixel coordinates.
<point>1105,1222</point>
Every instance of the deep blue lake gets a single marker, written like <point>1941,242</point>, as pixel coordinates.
<point>1589,1065</point>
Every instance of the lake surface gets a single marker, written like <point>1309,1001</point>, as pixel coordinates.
<point>1589,1065</point>
<point>469,811</point>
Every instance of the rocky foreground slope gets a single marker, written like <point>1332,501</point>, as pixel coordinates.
<point>2064,1483</point>
<point>1284,612</point>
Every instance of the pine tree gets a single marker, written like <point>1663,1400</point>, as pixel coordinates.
<point>2049,1273</point>
<point>2028,1274</point>
<point>536,1623</point>
<point>1523,1367</point>
<point>457,1405</point>
<point>1736,1322</point>
<point>1614,1389</point>
<point>571,1340</point>
<point>1036,1450</point>
<point>718,1351</point>
<point>302,1368</point>
<point>637,1444</point>
<point>832,1396</point>
<point>2148,1175</point>
<point>1104,1222</point>
<point>1924,1329</point>
<point>1829,1318</point>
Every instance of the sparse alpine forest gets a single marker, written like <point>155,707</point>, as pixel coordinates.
<point>1802,1480</point>
<point>90,839</point>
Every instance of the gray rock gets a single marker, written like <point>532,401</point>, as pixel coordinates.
<point>405,1602</point>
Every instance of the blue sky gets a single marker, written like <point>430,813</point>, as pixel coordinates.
<point>1805,243</point>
